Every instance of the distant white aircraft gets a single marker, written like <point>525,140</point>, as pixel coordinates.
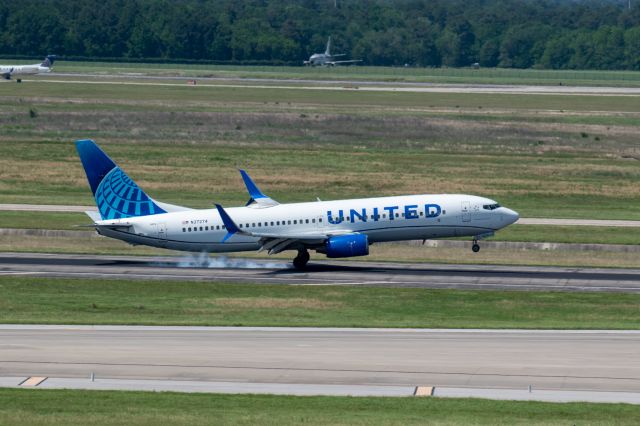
<point>342,228</point>
<point>327,59</point>
<point>7,71</point>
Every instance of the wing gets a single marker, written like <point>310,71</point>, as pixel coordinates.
<point>276,242</point>
<point>351,61</point>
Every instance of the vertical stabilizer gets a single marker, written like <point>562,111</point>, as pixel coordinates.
<point>116,195</point>
<point>48,61</point>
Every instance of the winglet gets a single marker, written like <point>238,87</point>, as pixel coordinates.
<point>257,197</point>
<point>231,226</point>
<point>253,189</point>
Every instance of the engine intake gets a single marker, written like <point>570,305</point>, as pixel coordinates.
<point>347,246</point>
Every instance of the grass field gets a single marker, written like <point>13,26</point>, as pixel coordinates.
<point>69,407</point>
<point>544,156</point>
<point>331,145</point>
<point>90,301</point>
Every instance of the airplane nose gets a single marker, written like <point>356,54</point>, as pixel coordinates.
<point>510,216</point>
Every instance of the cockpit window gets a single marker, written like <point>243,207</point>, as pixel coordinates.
<point>491,206</point>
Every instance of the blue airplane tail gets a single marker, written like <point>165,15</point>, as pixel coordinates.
<point>116,195</point>
<point>48,61</point>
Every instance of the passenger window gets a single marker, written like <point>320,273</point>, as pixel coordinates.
<point>288,222</point>
<point>295,222</point>
<point>240,225</point>
<point>224,227</point>
<point>253,224</point>
<point>271,223</point>
<point>384,216</point>
<point>320,220</point>
<point>402,214</point>
<point>259,223</point>
<point>421,213</point>
<point>306,221</point>
<point>218,227</point>
<point>189,229</point>
<point>444,212</point>
<point>313,221</point>
<point>206,228</point>
<point>397,215</point>
<point>184,229</point>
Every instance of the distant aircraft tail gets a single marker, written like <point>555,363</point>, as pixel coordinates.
<point>116,195</point>
<point>328,49</point>
<point>48,61</point>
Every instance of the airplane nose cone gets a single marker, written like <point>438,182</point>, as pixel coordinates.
<point>510,216</point>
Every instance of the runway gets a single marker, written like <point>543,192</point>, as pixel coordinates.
<point>238,270</point>
<point>343,85</point>
<point>602,361</point>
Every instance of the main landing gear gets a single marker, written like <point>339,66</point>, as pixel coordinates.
<point>300,261</point>
<point>475,247</point>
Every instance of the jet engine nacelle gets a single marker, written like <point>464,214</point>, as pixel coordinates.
<point>347,246</point>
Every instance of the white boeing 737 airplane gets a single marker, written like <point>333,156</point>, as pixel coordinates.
<point>7,71</point>
<point>342,228</point>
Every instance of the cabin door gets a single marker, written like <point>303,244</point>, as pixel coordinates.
<point>466,211</point>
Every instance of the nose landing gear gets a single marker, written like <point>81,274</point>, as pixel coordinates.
<point>476,247</point>
<point>300,261</point>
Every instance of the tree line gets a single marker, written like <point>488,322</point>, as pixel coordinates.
<point>553,34</point>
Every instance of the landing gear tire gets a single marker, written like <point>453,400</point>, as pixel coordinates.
<point>300,261</point>
<point>18,80</point>
<point>475,247</point>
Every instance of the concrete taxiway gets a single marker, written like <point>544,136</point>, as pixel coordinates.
<point>325,361</point>
<point>223,269</point>
<point>349,85</point>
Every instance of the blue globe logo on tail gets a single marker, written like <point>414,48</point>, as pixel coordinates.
<point>116,195</point>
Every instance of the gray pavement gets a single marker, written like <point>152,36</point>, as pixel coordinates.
<point>362,85</point>
<point>583,365</point>
<point>225,269</point>
<point>297,389</point>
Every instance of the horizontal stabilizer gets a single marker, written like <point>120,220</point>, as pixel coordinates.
<point>94,215</point>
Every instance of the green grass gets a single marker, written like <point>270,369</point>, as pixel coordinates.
<point>75,407</point>
<point>84,301</point>
<point>43,220</point>
<point>544,156</point>
<point>276,96</point>
<point>522,233</point>
<point>551,185</point>
<point>569,234</point>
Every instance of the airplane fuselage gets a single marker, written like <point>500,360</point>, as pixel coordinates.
<point>23,69</point>
<point>383,219</point>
